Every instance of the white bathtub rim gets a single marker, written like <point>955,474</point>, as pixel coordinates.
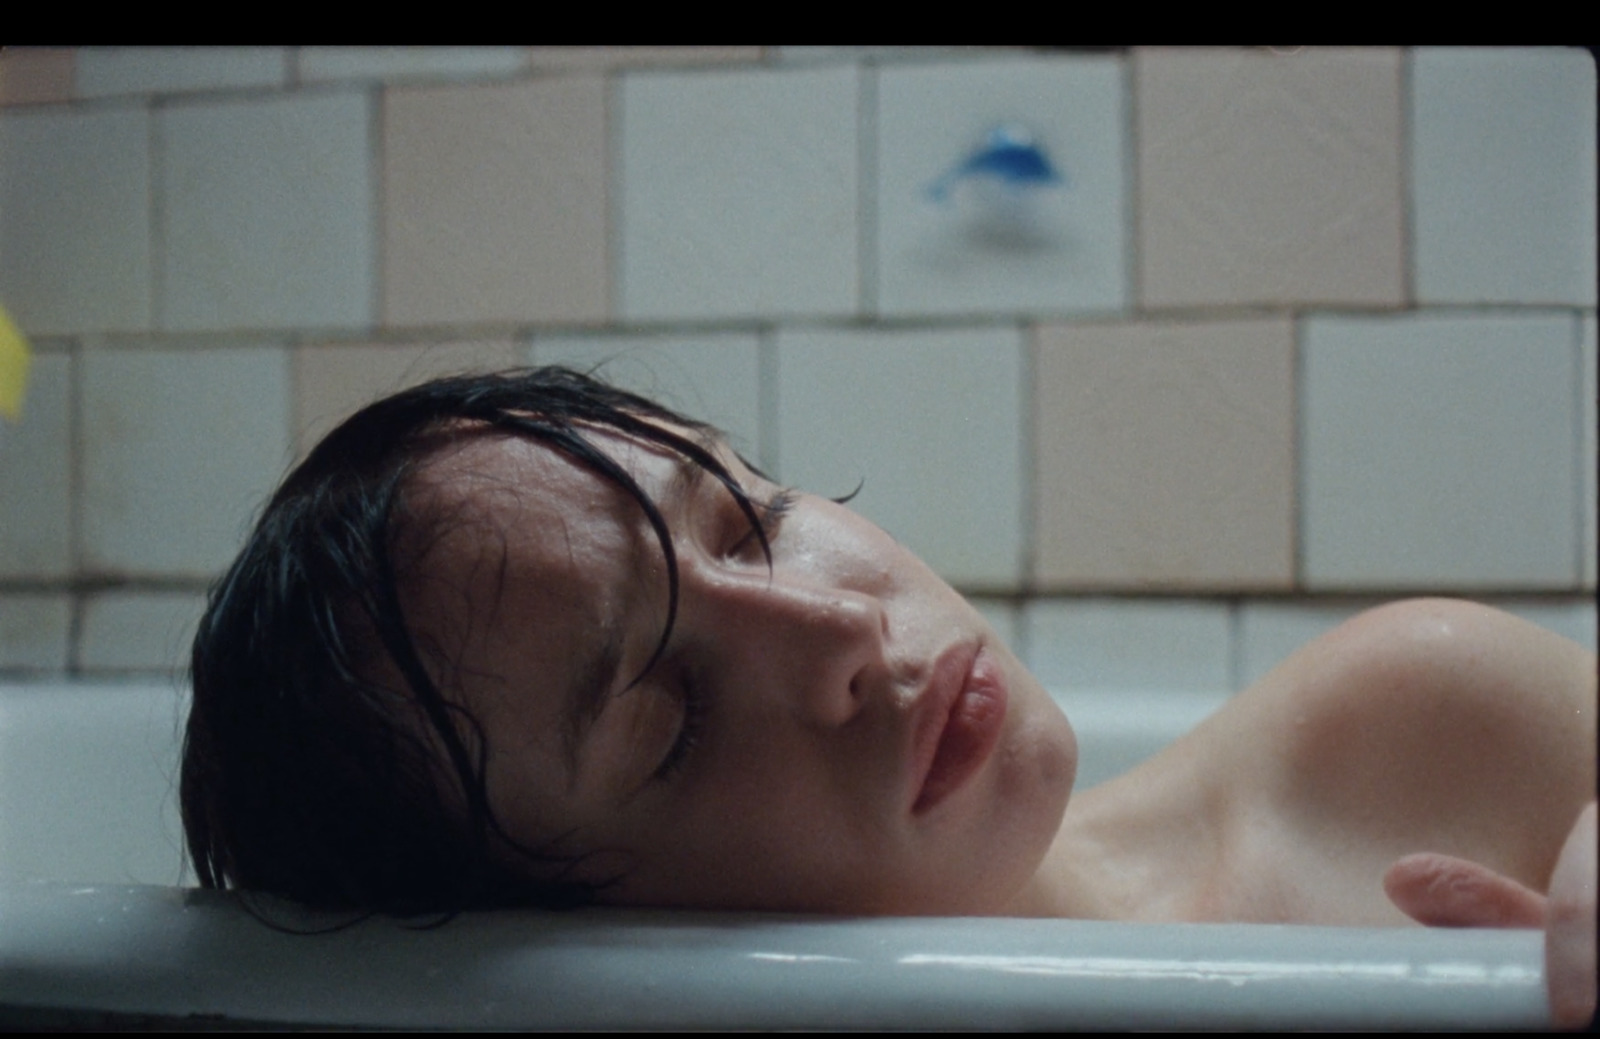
<point>168,951</point>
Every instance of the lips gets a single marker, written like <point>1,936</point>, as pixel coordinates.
<point>965,706</point>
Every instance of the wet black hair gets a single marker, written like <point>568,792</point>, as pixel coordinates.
<point>308,771</point>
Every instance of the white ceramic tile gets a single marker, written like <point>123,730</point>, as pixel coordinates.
<point>494,202</point>
<point>334,380</point>
<point>1270,631</point>
<point>36,75</point>
<point>180,449</point>
<point>738,192</point>
<point>1129,644</point>
<point>1268,178</point>
<point>267,213</point>
<point>1055,248</point>
<point>872,52</point>
<point>1164,455</point>
<point>1589,451</point>
<point>713,377</point>
<point>1573,619</point>
<point>320,64</point>
<point>591,59</point>
<point>931,421</point>
<point>1503,175</point>
<point>104,71</point>
<point>139,631</point>
<point>75,219</point>
<point>1002,616</point>
<point>34,631</point>
<point>35,476</point>
<point>1438,451</point>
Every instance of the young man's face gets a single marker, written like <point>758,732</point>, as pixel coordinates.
<point>840,732</point>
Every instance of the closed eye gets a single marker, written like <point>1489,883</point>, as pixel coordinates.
<point>770,513</point>
<point>695,709</point>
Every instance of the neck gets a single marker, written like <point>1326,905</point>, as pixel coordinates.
<point>1142,847</point>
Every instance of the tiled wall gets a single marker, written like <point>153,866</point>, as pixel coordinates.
<point>1295,332</point>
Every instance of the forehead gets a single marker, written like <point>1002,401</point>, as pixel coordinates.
<point>488,472</point>
<point>536,580</point>
<point>506,525</point>
<point>528,569</point>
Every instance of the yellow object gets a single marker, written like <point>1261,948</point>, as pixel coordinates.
<point>14,361</point>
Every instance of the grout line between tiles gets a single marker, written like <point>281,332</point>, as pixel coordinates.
<point>614,112</point>
<point>1408,204</point>
<point>867,302</point>
<point>1236,644</point>
<point>156,213</point>
<point>1132,305</point>
<point>1028,458</point>
<point>1298,396</point>
<point>767,375</point>
<point>75,501</point>
<point>377,228</point>
<point>1580,463</point>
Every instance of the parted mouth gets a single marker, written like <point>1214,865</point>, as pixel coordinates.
<point>965,706</point>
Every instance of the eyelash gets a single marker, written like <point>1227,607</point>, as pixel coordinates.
<point>772,513</point>
<point>689,694</point>
<point>694,716</point>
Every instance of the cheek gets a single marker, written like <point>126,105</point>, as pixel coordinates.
<point>836,538</point>
<point>1033,786</point>
<point>1045,757</point>
<point>765,837</point>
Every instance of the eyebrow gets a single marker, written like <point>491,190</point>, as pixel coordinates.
<point>689,474</point>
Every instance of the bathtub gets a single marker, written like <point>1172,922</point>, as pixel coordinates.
<point>99,928</point>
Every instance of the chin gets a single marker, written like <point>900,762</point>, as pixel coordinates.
<point>1036,788</point>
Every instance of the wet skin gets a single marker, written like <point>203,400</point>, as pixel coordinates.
<point>788,749</point>
<point>778,754</point>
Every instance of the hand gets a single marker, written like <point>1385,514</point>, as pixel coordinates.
<point>1444,891</point>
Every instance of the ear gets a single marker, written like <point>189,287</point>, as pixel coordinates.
<point>1444,891</point>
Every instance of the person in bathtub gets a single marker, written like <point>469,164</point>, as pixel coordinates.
<point>526,639</point>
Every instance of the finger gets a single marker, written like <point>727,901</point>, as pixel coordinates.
<point>1569,938</point>
<point>1444,891</point>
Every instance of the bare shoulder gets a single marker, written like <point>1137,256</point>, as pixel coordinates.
<point>1443,661</point>
<point>1437,725</point>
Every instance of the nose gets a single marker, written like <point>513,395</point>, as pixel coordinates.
<point>818,648</point>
